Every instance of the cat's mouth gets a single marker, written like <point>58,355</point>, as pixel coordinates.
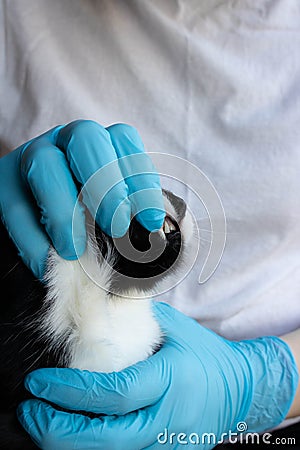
<point>142,258</point>
<point>168,238</point>
<point>169,225</point>
<point>139,236</point>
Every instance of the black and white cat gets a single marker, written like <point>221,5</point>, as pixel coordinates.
<point>93,313</point>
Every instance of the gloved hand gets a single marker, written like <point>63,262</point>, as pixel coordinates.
<point>196,383</point>
<point>38,191</point>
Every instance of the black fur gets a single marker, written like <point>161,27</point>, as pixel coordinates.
<point>144,276</point>
<point>21,349</point>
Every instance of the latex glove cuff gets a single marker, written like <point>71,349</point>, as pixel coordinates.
<point>274,379</point>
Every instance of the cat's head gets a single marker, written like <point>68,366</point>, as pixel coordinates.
<point>143,259</point>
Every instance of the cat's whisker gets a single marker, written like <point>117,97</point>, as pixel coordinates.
<point>10,271</point>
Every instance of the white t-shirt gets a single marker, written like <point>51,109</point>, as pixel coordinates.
<point>214,82</point>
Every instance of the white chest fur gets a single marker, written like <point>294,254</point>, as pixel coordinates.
<point>89,328</point>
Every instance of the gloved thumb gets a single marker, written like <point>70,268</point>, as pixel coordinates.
<point>102,393</point>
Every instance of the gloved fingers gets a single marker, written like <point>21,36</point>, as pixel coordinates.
<point>51,429</point>
<point>47,172</point>
<point>137,386</point>
<point>94,163</point>
<point>140,175</point>
<point>21,218</point>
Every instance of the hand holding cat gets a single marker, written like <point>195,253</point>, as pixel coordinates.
<point>197,383</point>
<point>41,179</point>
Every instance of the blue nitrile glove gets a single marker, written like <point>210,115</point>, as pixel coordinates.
<point>38,192</point>
<point>197,383</point>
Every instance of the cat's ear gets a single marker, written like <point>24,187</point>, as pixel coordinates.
<point>177,203</point>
